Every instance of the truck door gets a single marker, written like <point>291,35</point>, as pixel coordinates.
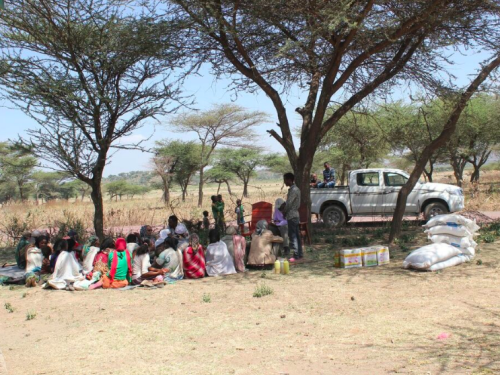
<point>367,193</point>
<point>393,182</point>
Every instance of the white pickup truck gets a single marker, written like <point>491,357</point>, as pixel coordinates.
<point>375,192</point>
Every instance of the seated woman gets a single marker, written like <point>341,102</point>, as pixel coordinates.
<point>67,269</point>
<point>218,260</point>
<point>236,245</point>
<point>120,267</point>
<point>141,267</point>
<point>103,254</point>
<point>182,235</point>
<point>34,260</point>
<point>193,259</point>
<point>89,252</point>
<point>282,224</point>
<point>170,260</point>
<point>146,231</point>
<point>23,242</point>
<point>264,247</point>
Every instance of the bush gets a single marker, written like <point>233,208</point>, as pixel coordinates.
<point>262,290</point>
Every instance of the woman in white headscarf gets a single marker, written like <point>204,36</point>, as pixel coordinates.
<point>218,260</point>
<point>264,247</point>
<point>280,221</point>
<point>236,245</point>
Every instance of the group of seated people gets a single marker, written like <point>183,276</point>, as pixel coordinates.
<point>141,258</point>
<point>328,178</point>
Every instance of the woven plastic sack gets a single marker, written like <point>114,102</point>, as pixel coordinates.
<point>457,231</point>
<point>461,242</point>
<point>426,256</point>
<point>455,261</point>
<point>452,220</point>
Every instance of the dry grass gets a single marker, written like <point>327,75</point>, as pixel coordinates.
<point>319,320</point>
<point>122,215</point>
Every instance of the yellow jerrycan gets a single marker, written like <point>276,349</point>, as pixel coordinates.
<point>277,266</point>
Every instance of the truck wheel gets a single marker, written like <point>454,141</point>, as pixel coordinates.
<point>334,216</point>
<point>434,209</point>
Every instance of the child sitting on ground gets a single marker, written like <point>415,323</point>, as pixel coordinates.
<point>206,221</point>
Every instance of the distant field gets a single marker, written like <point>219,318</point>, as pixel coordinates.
<point>149,209</point>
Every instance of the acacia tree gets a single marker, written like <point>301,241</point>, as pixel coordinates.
<point>242,162</point>
<point>164,166</point>
<point>329,49</point>
<point>409,128</point>
<point>17,165</point>
<point>446,133</point>
<point>356,142</point>
<point>477,135</point>
<point>225,124</point>
<point>185,161</point>
<point>90,72</point>
<point>219,175</point>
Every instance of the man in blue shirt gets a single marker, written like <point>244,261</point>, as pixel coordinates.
<point>328,177</point>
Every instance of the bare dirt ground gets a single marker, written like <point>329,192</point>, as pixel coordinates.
<point>319,320</point>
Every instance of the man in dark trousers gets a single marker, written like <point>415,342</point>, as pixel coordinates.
<point>292,216</point>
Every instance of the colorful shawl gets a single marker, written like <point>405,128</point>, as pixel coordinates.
<point>194,262</point>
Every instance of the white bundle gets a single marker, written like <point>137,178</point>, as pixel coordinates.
<point>429,255</point>
<point>460,242</point>
<point>453,230</point>
<point>453,220</point>
<point>454,261</point>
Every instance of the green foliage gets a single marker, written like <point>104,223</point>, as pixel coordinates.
<point>206,298</point>
<point>262,290</point>
<point>357,241</point>
<point>17,165</point>
<point>9,307</point>
<point>30,315</point>
<point>487,238</point>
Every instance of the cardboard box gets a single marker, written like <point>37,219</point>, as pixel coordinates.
<point>383,255</point>
<point>350,258</point>
<point>369,257</point>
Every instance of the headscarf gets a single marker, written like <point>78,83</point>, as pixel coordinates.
<point>144,231</point>
<point>91,241</point>
<point>181,229</point>
<point>279,202</point>
<point>163,234</point>
<point>194,242</point>
<point>231,231</point>
<point>121,247</point>
<point>261,227</point>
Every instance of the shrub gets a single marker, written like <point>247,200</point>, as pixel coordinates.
<point>262,290</point>
<point>30,315</point>
<point>206,298</point>
<point>9,307</point>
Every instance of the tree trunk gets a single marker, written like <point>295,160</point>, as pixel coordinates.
<point>218,189</point>
<point>228,187</point>
<point>96,195</point>
<point>200,187</point>
<point>184,193</point>
<point>21,190</point>
<point>458,164</point>
<point>245,188</point>
<point>448,130</point>
<point>428,173</point>
<point>475,174</point>
<point>166,191</point>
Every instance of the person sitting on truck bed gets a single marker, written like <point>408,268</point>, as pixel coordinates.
<point>328,177</point>
<point>314,180</point>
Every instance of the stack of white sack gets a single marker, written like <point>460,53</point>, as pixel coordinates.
<point>453,244</point>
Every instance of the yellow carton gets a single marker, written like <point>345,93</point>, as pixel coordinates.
<point>369,257</point>
<point>383,256</point>
<point>350,258</point>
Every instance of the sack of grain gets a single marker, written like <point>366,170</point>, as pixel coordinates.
<point>429,255</point>
<point>452,220</point>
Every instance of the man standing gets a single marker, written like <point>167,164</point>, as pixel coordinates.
<point>328,177</point>
<point>292,216</point>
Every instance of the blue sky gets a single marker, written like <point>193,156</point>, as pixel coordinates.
<point>207,92</point>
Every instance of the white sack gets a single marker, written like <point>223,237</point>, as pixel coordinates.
<point>461,242</point>
<point>457,231</point>
<point>452,220</point>
<point>428,255</point>
<point>456,260</point>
